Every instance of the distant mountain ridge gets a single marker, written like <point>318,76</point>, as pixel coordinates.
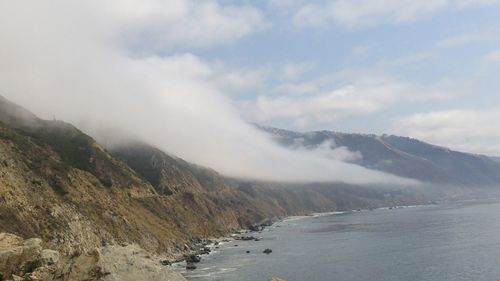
<point>402,156</point>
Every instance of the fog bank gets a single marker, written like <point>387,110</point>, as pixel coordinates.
<point>97,64</point>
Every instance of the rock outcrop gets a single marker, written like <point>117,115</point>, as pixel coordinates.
<point>26,259</point>
<point>120,263</point>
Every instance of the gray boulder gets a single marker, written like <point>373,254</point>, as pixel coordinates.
<point>18,256</point>
<point>118,263</point>
<point>49,257</point>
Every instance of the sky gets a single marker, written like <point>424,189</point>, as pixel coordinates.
<point>190,76</point>
<point>424,69</point>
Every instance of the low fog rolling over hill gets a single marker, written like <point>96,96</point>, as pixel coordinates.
<point>168,101</point>
<point>397,155</point>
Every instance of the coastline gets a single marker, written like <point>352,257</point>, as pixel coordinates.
<point>313,245</point>
<point>211,246</point>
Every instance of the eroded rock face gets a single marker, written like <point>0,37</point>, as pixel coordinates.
<point>132,263</point>
<point>27,260</point>
<point>49,257</point>
<point>18,256</point>
<point>120,263</point>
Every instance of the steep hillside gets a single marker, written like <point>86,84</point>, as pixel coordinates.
<point>58,184</point>
<point>250,202</point>
<point>401,156</point>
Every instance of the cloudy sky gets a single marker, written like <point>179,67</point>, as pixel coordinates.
<point>427,69</point>
<point>189,75</point>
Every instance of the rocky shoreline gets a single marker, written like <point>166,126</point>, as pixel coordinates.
<point>190,258</point>
<point>28,260</point>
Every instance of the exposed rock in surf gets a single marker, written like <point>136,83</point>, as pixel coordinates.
<point>165,262</point>
<point>190,266</point>
<point>275,279</point>
<point>245,238</point>
<point>193,259</point>
<point>205,251</point>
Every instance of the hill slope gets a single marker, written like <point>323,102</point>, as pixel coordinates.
<point>251,202</point>
<point>401,156</point>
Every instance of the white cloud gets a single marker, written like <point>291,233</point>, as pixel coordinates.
<point>342,95</point>
<point>292,71</point>
<point>467,3</point>
<point>493,56</point>
<point>340,153</point>
<point>240,79</point>
<point>464,130</point>
<point>412,59</point>
<point>366,12</point>
<point>311,15</point>
<point>72,59</point>
<point>355,13</point>
<point>283,3</point>
<point>298,88</point>
<point>478,36</point>
<point>362,50</point>
<point>462,39</point>
<point>158,24</point>
<point>328,107</point>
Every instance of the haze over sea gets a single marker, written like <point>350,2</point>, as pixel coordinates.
<point>451,241</point>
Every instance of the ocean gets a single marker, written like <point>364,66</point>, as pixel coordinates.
<point>451,241</point>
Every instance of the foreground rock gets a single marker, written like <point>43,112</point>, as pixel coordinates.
<point>27,260</point>
<point>117,263</point>
<point>275,279</point>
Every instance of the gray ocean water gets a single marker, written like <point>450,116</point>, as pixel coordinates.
<point>456,241</point>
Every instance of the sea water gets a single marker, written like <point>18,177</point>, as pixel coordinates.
<point>453,241</point>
